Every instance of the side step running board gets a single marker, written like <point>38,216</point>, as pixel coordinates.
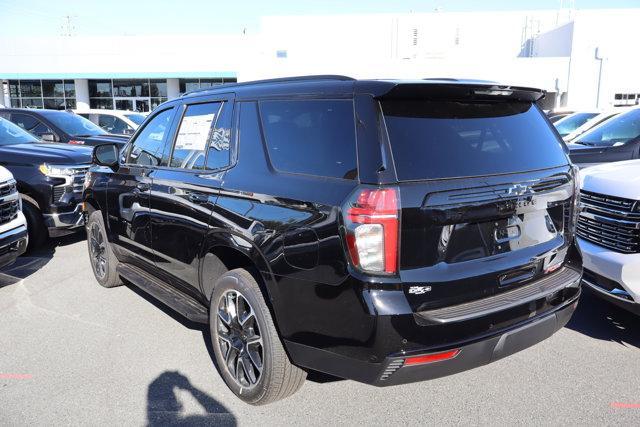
<point>179,301</point>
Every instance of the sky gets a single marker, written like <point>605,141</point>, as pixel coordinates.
<point>137,17</point>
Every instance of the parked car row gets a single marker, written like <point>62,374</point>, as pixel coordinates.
<point>47,176</point>
<point>599,137</point>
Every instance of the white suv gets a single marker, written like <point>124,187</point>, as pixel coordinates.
<point>114,121</point>
<point>609,232</point>
<point>13,226</point>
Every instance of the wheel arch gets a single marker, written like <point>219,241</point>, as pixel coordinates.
<point>225,250</point>
<point>28,193</point>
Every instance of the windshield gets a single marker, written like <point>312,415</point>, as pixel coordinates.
<point>573,122</point>
<point>74,124</point>
<point>13,134</point>
<point>616,131</point>
<point>135,118</point>
<point>447,139</point>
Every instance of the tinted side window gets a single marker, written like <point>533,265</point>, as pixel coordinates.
<point>25,121</point>
<point>41,129</point>
<point>151,143</point>
<point>219,144</point>
<point>193,136</point>
<point>315,137</point>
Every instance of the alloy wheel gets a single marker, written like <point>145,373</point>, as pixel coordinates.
<point>239,339</point>
<point>98,251</point>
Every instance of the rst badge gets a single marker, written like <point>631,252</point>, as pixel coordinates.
<point>419,290</point>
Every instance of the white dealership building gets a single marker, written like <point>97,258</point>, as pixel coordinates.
<point>582,58</point>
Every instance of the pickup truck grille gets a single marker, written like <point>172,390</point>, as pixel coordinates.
<point>8,211</point>
<point>7,187</point>
<point>76,184</point>
<point>610,222</point>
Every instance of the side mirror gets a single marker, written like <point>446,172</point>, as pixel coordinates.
<point>106,155</point>
<point>48,137</point>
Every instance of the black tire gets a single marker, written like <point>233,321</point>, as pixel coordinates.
<point>38,233</point>
<point>103,261</point>
<point>278,377</point>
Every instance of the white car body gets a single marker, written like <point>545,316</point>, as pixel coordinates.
<point>13,233</point>
<point>608,231</point>
<point>113,121</point>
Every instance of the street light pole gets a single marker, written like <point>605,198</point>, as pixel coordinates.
<point>600,58</point>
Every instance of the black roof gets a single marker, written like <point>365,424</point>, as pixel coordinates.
<point>336,85</point>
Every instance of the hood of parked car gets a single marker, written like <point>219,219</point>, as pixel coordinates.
<point>45,152</point>
<point>104,139</point>
<point>621,179</point>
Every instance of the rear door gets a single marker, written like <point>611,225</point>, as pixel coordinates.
<point>129,187</point>
<point>486,194</point>
<point>186,187</point>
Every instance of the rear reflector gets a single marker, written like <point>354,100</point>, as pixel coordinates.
<point>430,358</point>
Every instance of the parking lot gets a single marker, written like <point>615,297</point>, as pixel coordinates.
<point>75,353</point>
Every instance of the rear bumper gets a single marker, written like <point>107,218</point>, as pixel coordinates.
<point>13,243</point>
<point>479,332</point>
<point>472,354</point>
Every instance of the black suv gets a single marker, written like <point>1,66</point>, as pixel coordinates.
<point>381,231</point>
<point>49,178</point>
<point>60,126</point>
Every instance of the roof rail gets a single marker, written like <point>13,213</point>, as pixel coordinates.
<point>268,81</point>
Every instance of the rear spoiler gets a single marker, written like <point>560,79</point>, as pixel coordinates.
<point>454,91</point>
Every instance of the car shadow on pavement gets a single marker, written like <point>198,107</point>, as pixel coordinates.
<point>164,406</point>
<point>33,261</point>
<point>601,320</point>
<point>313,376</point>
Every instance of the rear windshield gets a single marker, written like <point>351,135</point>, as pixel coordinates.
<point>447,139</point>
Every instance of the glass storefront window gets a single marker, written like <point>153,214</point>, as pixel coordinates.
<point>14,88</point>
<point>101,103</point>
<point>157,88</point>
<point>210,82</point>
<point>30,88</point>
<point>52,88</point>
<point>32,103</point>
<point>15,103</point>
<point>187,85</point>
<point>69,89</point>
<point>131,87</point>
<point>100,88</point>
<point>54,103</point>
<point>157,101</point>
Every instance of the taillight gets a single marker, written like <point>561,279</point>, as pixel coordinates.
<point>372,229</point>
<point>76,142</point>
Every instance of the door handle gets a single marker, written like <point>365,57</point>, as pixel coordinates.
<point>198,198</point>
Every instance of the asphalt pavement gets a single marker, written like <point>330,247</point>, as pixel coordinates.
<point>74,353</point>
